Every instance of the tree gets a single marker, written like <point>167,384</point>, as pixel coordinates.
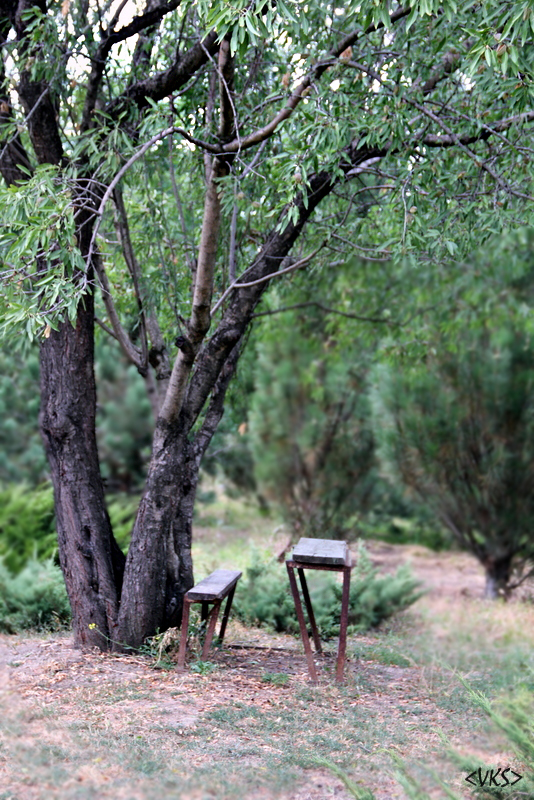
<point>310,425</point>
<point>460,431</point>
<point>420,110</point>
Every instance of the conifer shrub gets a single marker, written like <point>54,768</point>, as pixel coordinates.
<point>264,597</point>
<point>36,598</point>
<point>27,525</point>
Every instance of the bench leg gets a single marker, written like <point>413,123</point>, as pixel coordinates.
<point>227,609</point>
<point>309,609</point>
<point>343,625</point>
<point>183,635</point>
<point>302,622</point>
<point>211,628</point>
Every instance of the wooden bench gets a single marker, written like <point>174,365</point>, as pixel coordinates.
<point>213,589</point>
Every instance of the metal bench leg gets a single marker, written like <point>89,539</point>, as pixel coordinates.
<point>183,635</point>
<point>309,609</point>
<point>211,628</point>
<point>343,625</point>
<point>302,623</point>
<point>226,614</point>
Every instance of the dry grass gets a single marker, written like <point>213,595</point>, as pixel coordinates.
<point>78,725</point>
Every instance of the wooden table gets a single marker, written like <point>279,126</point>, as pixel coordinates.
<point>325,554</point>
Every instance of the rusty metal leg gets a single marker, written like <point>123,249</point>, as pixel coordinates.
<point>343,625</point>
<point>302,623</point>
<point>183,635</point>
<point>227,609</point>
<point>309,609</point>
<point>211,628</point>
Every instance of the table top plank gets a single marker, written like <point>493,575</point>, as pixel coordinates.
<point>215,586</point>
<point>321,551</point>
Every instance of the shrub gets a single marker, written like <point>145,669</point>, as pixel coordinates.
<point>35,598</point>
<point>27,526</point>
<point>264,596</point>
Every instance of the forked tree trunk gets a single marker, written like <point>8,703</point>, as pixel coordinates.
<point>159,568</point>
<point>91,561</point>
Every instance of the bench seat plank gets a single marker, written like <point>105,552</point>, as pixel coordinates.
<point>321,551</point>
<point>216,586</point>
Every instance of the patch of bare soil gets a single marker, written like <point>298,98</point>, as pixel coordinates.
<point>89,725</point>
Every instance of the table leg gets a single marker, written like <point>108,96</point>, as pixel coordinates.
<point>302,623</point>
<point>227,609</point>
<point>343,624</point>
<point>211,628</point>
<point>309,609</point>
<point>183,635</point>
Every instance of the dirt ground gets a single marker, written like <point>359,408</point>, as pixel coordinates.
<point>82,725</point>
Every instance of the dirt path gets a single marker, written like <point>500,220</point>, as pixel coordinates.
<point>85,725</point>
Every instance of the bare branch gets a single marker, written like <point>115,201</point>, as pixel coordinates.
<point>123,231</point>
<point>327,310</point>
<point>200,319</point>
<point>106,328</point>
<point>210,105</point>
<point>236,285</point>
<point>227,122</point>
<point>132,352</point>
<point>157,356</point>
<point>499,126</point>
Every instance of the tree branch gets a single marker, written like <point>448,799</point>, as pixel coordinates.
<point>227,124</point>
<point>200,318</point>
<point>457,140</point>
<point>299,92</point>
<point>158,355</point>
<point>35,96</point>
<point>163,84</point>
<point>215,409</point>
<point>110,38</point>
<point>327,310</point>
<point>123,231</point>
<point>132,352</point>
<point>236,285</point>
<point>123,170</point>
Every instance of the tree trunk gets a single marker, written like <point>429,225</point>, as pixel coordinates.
<point>159,570</point>
<point>91,561</point>
<point>498,574</point>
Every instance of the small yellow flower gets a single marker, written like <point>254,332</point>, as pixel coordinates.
<point>92,626</point>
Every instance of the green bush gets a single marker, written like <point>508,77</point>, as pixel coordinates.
<point>27,525</point>
<point>264,598</point>
<point>35,598</point>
